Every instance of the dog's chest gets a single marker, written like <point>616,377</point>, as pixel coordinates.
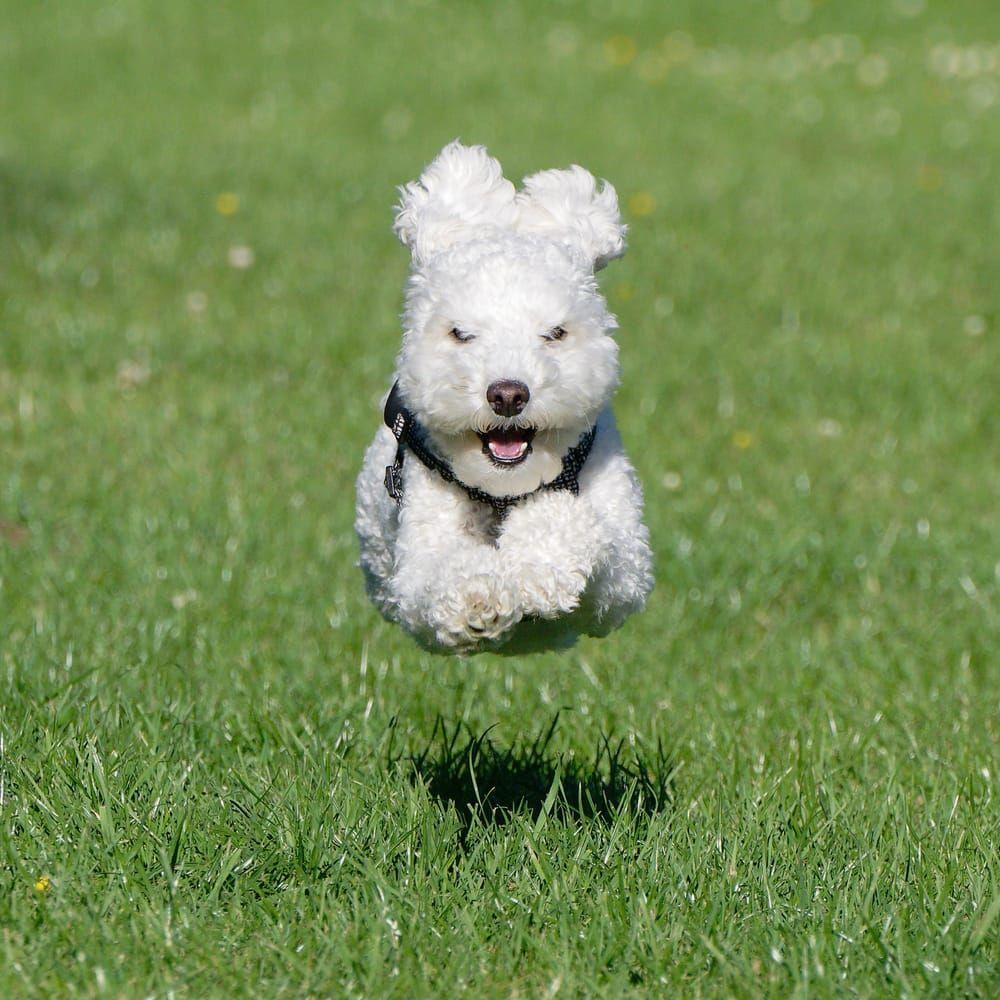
<point>483,524</point>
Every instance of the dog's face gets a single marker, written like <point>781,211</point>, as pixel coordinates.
<point>507,357</point>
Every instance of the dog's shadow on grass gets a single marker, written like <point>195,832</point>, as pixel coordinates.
<point>488,784</point>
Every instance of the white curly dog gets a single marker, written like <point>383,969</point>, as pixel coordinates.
<point>497,507</point>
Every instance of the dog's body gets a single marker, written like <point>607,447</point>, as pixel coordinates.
<point>506,371</point>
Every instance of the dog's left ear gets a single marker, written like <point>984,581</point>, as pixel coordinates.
<point>567,205</point>
<point>459,193</point>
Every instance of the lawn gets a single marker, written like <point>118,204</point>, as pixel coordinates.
<point>221,773</point>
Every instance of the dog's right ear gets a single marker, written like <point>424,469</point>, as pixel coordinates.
<point>566,205</point>
<point>460,192</point>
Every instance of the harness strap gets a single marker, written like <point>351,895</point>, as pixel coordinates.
<point>409,434</point>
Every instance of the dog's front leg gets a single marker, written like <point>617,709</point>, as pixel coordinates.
<point>447,583</point>
<point>548,550</point>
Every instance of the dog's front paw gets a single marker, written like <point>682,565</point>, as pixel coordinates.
<point>547,592</point>
<point>480,610</point>
<point>549,546</point>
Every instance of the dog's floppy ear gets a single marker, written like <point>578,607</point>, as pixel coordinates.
<point>461,191</point>
<point>567,205</point>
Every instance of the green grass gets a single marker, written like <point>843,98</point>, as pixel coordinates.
<point>780,779</point>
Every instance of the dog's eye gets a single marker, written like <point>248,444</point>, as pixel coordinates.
<point>556,333</point>
<point>462,338</point>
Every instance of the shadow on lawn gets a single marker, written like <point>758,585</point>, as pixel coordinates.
<point>490,784</point>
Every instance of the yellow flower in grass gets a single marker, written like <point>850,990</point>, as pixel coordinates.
<point>742,440</point>
<point>678,47</point>
<point>930,177</point>
<point>652,67</point>
<point>43,883</point>
<point>227,203</point>
<point>642,203</point>
<point>620,50</point>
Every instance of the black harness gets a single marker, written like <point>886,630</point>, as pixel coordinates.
<point>409,434</point>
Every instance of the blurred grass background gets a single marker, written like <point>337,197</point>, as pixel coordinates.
<point>201,787</point>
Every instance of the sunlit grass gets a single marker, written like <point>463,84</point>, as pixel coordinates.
<point>221,773</point>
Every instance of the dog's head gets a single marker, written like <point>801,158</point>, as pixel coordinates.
<point>507,356</point>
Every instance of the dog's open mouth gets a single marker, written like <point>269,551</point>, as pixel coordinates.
<point>508,445</point>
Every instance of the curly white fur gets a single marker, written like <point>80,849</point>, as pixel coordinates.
<point>505,269</point>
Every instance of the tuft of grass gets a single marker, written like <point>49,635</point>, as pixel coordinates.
<point>221,774</point>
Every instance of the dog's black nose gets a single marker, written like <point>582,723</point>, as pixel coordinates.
<point>507,397</point>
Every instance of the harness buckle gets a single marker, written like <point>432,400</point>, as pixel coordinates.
<point>394,481</point>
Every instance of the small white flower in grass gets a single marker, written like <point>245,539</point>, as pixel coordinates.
<point>795,11</point>
<point>983,94</point>
<point>776,956</point>
<point>672,481</point>
<point>663,306</point>
<point>829,428</point>
<point>563,40</point>
<point>183,599</point>
<point>873,70</point>
<point>132,374</point>
<point>974,326</point>
<point>887,121</point>
<point>923,528</point>
<point>240,257</point>
<point>396,123</point>
<point>943,60</point>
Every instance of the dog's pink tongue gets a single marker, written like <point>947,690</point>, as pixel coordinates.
<point>507,448</point>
